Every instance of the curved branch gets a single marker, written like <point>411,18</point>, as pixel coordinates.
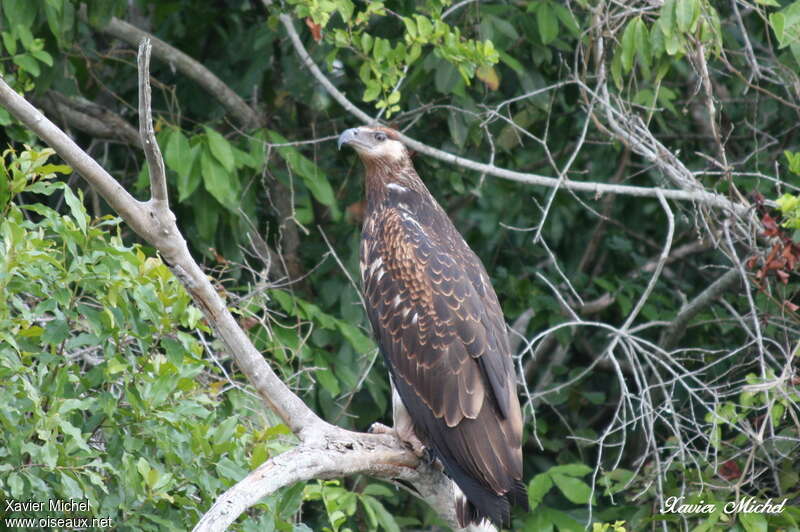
<point>597,189</point>
<point>188,66</point>
<point>375,455</point>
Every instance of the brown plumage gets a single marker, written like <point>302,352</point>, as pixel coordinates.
<point>441,330</point>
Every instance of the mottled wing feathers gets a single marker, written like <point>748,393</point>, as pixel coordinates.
<point>442,332</point>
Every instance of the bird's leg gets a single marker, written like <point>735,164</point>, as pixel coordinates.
<point>403,426</point>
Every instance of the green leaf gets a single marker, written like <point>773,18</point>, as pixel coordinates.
<point>20,13</point>
<point>188,182</point>
<point>229,469</point>
<point>43,57</point>
<point>27,63</point>
<point>424,27</point>
<point>178,153</point>
<point>616,68</point>
<point>563,521</point>
<point>628,46</point>
<point>5,192</point>
<point>325,376</point>
<point>75,433</point>
<point>573,470</point>
<point>372,91</point>
<point>76,208</point>
<point>366,42</point>
<point>458,128</point>
<point>547,22</point>
<point>381,49</point>
<point>642,40</point>
<point>221,149</point>
<point>753,522</point>
<point>290,501</point>
<point>538,488</point>
<point>100,13</point>
<point>576,490</point>
<point>685,11</point>
<point>567,19</point>
<point>9,42</point>
<point>384,518</point>
<point>313,177</point>
<point>25,37</point>
<point>411,27</point>
<point>219,183</point>
<point>56,331</point>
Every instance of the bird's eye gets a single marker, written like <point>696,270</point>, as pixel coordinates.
<point>380,137</point>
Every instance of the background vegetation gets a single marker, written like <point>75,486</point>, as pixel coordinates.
<point>656,341</point>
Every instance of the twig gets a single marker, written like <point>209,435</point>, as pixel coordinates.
<point>677,328</point>
<point>188,66</point>
<point>155,163</point>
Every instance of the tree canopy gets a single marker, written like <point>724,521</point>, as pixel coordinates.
<point>627,172</point>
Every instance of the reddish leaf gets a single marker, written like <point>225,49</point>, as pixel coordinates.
<point>316,29</point>
<point>730,470</point>
<point>789,257</point>
<point>783,276</point>
<point>770,226</point>
<point>791,306</point>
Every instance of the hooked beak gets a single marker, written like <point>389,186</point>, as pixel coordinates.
<point>347,137</point>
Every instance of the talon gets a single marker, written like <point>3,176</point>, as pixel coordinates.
<point>429,457</point>
<point>380,428</point>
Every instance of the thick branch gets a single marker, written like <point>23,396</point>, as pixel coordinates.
<point>88,117</point>
<point>115,194</point>
<point>374,455</point>
<point>233,103</point>
<point>597,189</point>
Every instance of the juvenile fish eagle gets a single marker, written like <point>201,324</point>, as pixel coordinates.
<point>442,333</point>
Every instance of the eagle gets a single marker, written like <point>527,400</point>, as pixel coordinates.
<point>441,331</point>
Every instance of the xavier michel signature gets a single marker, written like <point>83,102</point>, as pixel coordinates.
<point>746,505</point>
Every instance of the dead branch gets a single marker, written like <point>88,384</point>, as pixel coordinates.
<point>245,115</point>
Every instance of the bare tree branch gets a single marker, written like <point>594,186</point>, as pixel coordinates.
<point>677,327</point>
<point>597,189</point>
<point>188,66</point>
<point>374,455</point>
<point>155,163</point>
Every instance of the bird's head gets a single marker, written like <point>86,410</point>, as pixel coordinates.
<point>374,144</point>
